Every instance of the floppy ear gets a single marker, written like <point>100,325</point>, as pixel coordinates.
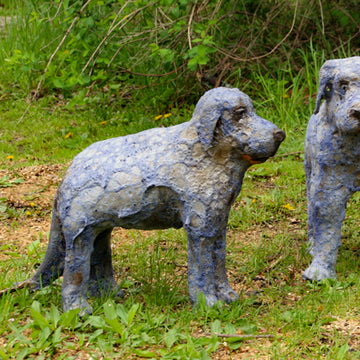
<point>206,115</point>
<point>210,110</point>
<point>206,125</point>
<point>326,82</point>
<point>324,92</point>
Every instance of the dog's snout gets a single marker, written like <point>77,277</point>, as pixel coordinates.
<point>279,135</point>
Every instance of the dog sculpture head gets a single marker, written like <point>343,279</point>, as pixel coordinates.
<point>227,115</point>
<point>339,86</point>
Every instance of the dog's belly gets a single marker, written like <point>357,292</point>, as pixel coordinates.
<point>160,208</point>
<point>151,221</point>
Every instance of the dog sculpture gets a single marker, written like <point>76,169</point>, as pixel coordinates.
<point>186,175</point>
<point>332,167</point>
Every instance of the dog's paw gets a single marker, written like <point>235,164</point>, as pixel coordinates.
<point>72,303</point>
<point>226,293</point>
<point>318,271</point>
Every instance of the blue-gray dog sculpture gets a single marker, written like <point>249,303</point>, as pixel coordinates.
<point>332,167</point>
<point>186,175</point>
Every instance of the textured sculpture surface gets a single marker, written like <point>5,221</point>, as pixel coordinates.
<point>332,152</point>
<point>186,175</point>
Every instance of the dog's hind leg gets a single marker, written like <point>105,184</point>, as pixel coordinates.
<point>77,271</point>
<point>101,269</point>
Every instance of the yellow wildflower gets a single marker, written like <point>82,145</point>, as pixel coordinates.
<point>68,135</point>
<point>288,206</point>
<point>253,201</point>
<point>28,213</point>
<point>167,115</point>
<point>158,117</point>
<point>102,122</point>
<point>32,204</point>
<point>10,157</point>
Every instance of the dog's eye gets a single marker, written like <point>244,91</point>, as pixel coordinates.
<point>344,86</point>
<point>239,113</point>
<point>328,90</point>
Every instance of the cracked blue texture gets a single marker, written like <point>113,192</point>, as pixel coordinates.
<point>332,161</point>
<point>186,175</point>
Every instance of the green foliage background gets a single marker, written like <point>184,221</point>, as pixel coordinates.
<point>166,53</point>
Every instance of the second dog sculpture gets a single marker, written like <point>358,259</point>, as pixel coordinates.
<point>332,154</point>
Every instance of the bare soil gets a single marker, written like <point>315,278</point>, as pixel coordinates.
<point>26,197</point>
<point>30,203</point>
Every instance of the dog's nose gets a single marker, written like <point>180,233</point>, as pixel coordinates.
<point>279,135</point>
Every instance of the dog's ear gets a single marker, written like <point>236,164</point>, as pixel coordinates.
<point>325,92</point>
<point>206,126</point>
<point>326,80</point>
<point>211,110</point>
<point>206,115</point>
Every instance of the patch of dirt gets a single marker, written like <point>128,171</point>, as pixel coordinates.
<point>26,197</point>
<point>27,194</point>
<point>349,328</point>
<point>247,351</point>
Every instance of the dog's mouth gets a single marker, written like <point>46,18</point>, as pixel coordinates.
<point>253,160</point>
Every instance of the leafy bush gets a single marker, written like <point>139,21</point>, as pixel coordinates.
<point>167,51</point>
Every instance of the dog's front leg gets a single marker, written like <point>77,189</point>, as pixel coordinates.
<point>327,199</point>
<point>201,267</point>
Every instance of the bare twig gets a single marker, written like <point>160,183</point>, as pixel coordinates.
<point>165,16</point>
<point>322,18</point>
<point>217,7</point>
<point>50,43</point>
<point>17,286</point>
<point>240,336</point>
<point>152,75</point>
<point>136,87</point>
<point>289,154</point>
<point>111,29</point>
<point>347,14</point>
<point>231,56</point>
<point>224,67</point>
<point>189,24</point>
<point>67,9</point>
<point>57,11</point>
<point>36,93</point>
<point>124,21</point>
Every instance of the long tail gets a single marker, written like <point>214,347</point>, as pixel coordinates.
<point>52,266</point>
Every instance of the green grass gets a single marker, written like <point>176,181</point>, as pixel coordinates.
<point>267,240</point>
<point>266,257</point>
<point>266,253</point>
<point>54,132</point>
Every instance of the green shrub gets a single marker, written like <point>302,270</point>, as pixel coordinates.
<point>167,52</point>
